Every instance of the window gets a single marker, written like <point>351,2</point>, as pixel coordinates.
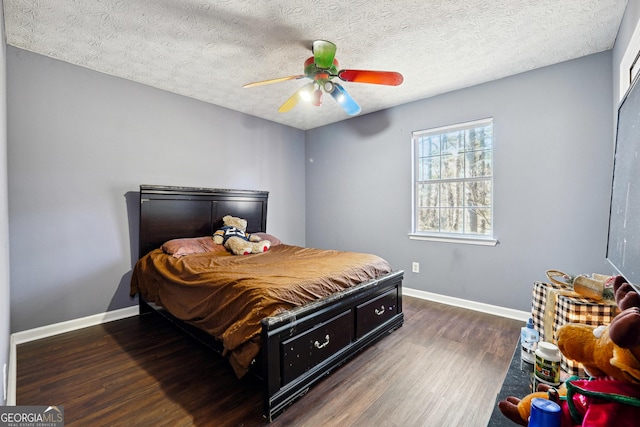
<point>629,64</point>
<point>633,71</point>
<point>453,183</point>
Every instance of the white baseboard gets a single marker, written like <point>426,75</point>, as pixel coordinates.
<point>73,325</point>
<point>55,329</point>
<point>11,379</point>
<point>471,305</point>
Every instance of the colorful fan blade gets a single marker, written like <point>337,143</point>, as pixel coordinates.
<point>342,97</point>
<point>323,53</point>
<point>390,78</point>
<point>293,100</point>
<point>270,81</point>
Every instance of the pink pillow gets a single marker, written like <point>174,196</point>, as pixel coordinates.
<point>196,245</point>
<point>273,239</point>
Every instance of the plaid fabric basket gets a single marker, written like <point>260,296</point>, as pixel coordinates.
<point>539,305</point>
<point>577,309</point>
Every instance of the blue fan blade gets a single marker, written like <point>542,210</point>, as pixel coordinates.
<point>342,97</point>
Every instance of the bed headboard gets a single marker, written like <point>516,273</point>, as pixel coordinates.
<point>176,212</point>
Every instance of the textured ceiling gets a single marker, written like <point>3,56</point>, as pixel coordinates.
<point>208,49</point>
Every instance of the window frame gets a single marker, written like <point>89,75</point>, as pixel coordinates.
<point>628,64</point>
<point>465,238</point>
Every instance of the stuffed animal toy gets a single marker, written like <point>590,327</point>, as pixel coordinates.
<point>611,356</point>
<point>234,237</point>
<point>519,410</point>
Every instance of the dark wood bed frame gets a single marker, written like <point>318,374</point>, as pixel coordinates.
<point>299,347</point>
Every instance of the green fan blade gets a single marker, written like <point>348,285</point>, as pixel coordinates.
<point>323,53</point>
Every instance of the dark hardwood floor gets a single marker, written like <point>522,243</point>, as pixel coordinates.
<point>444,367</point>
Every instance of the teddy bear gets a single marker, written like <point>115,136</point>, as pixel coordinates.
<point>234,237</point>
<point>611,357</point>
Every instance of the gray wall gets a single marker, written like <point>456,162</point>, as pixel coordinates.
<point>79,145</point>
<point>552,175</point>
<point>4,218</point>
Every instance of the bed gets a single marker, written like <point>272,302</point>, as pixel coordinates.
<point>299,335</point>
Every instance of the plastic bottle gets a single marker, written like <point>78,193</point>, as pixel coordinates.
<point>547,370</point>
<point>529,338</point>
<point>545,413</point>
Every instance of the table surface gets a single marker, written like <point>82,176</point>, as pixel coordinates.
<point>516,383</point>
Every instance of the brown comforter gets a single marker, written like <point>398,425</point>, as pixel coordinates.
<point>228,295</point>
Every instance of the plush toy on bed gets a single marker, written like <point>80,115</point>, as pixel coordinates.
<point>234,237</point>
<point>611,356</point>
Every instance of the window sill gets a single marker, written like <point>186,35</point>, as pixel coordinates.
<point>467,240</point>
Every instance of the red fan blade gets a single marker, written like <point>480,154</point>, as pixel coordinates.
<point>270,81</point>
<point>390,78</point>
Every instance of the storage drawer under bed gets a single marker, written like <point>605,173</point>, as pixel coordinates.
<point>371,314</point>
<point>303,352</point>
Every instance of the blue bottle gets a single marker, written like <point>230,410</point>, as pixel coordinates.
<point>529,338</point>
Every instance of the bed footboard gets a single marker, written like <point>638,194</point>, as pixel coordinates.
<point>303,345</point>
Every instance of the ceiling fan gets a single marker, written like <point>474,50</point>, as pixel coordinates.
<point>322,68</point>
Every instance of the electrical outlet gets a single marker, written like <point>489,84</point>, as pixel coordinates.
<point>415,267</point>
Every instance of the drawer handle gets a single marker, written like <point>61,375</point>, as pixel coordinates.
<point>324,344</point>
<point>379,312</point>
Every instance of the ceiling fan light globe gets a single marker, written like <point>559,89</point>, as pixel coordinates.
<point>328,86</point>
<point>306,96</point>
<point>306,93</point>
<point>317,98</point>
